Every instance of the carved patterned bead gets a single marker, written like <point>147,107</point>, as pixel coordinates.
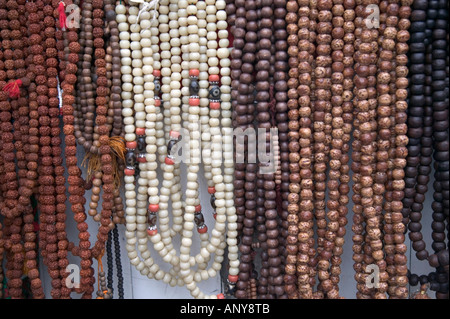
<point>214,93</point>
<point>130,159</point>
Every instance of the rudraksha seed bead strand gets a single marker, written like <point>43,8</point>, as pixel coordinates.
<point>101,122</point>
<point>14,64</point>
<point>75,181</point>
<point>46,198</point>
<point>55,143</point>
<point>24,151</point>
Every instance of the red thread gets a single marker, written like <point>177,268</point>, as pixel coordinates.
<point>62,15</point>
<point>13,88</point>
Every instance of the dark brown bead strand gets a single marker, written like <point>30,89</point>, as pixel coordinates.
<point>430,67</point>
<point>419,130</point>
<point>85,127</point>
<point>83,66</point>
<point>243,56</point>
<point>262,99</point>
<point>429,74</point>
<point>115,106</point>
<point>440,204</point>
<point>418,114</point>
<point>281,117</point>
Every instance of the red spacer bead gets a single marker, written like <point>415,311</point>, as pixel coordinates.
<point>232,278</point>
<point>142,159</point>
<point>220,296</point>
<point>132,145</point>
<point>198,208</point>
<point>157,73</point>
<point>214,78</point>
<point>129,171</point>
<point>214,105</point>
<point>211,190</point>
<point>169,161</point>
<point>174,134</point>
<point>215,215</point>
<point>140,131</point>
<point>152,232</point>
<point>154,208</point>
<point>194,101</point>
<point>202,230</point>
<point>194,72</point>
<point>157,102</point>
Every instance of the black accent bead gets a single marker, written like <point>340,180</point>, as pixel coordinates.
<point>213,201</point>
<point>194,87</point>
<point>130,159</point>
<point>141,144</point>
<point>157,87</point>
<point>214,93</point>
<point>170,145</point>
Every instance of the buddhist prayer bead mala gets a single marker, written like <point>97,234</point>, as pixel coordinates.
<point>226,136</point>
<point>176,53</point>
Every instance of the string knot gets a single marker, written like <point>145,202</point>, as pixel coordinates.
<point>146,6</point>
<point>13,88</point>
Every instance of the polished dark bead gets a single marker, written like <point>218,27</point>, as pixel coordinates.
<point>170,146</point>
<point>199,219</point>
<point>141,144</point>
<point>212,200</point>
<point>194,87</point>
<point>214,93</point>
<point>414,280</point>
<point>157,87</point>
<point>130,159</point>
